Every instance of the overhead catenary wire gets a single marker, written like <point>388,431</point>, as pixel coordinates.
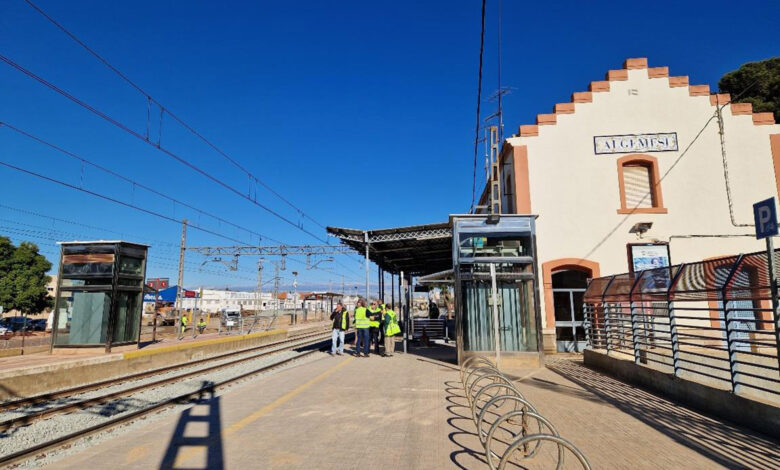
<point>158,146</point>
<point>117,201</point>
<point>715,115</point>
<point>666,173</point>
<point>479,104</point>
<point>44,231</point>
<point>131,181</point>
<point>166,110</point>
<point>47,234</point>
<point>79,224</point>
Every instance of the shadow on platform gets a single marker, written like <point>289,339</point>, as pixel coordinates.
<point>194,444</point>
<point>726,444</point>
<point>469,454</point>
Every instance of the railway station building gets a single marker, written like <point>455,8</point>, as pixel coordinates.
<point>643,169</point>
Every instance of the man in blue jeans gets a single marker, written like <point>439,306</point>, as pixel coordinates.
<point>340,318</point>
<point>362,326</point>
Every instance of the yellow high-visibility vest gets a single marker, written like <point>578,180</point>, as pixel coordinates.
<point>374,323</point>
<point>361,321</point>
<point>391,323</point>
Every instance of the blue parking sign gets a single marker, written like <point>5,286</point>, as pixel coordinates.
<point>765,215</point>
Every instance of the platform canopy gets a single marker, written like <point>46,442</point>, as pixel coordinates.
<point>416,249</point>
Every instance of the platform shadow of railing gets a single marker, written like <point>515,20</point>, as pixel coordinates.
<point>459,410</point>
<point>183,448</point>
<point>721,442</point>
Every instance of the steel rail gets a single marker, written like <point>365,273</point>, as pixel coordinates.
<point>88,402</point>
<point>61,441</point>
<point>38,399</point>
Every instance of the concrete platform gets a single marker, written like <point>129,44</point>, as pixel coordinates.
<point>409,412</point>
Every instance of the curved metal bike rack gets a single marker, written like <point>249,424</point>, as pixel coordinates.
<point>545,437</point>
<point>495,379</point>
<point>509,390</point>
<point>477,369</point>
<point>525,414</point>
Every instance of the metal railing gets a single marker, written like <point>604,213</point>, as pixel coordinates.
<point>712,322</point>
<point>489,392</point>
<point>434,328</point>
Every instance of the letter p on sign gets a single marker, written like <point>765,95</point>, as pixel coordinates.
<point>765,215</point>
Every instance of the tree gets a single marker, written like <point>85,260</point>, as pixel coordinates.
<point>23,277</point>
<point>760,83</point>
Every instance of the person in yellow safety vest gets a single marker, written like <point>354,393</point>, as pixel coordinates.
<point>183,324</point>
<point>362,325</point>
<point>391,329</point>
<point>375,316</point>
<point>201,325</point>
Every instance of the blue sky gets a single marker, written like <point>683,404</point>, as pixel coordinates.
<point>360,113</point>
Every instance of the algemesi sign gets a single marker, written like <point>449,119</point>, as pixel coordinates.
<point>661,142</point>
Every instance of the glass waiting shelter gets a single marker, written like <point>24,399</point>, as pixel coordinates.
<point>496,288</point>
<point>99,294</point>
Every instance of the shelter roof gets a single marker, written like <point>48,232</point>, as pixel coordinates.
<point>415,249</point>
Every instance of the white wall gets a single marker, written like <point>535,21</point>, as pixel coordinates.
<point>576,195</point>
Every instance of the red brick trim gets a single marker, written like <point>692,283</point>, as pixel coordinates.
<point>761,119</point>
<point>546,119</point>
<point>699,90</point>
<point>719,99</point>
<point>617,75</point>
<point>678,81</point>
<point>551,267</point>
<point>741,108</point>
<point>582,97</point>
<point>658,199</point>
<point>658,72</point>
<point>564,108</point>
<point>635,63</point>
<point>528,130</point>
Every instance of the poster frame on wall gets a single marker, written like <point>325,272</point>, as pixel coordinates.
<point>633,260</point>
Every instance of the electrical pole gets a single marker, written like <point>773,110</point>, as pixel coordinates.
<point>179,287</point>
<point>295,296</point>
<point>258,292</point>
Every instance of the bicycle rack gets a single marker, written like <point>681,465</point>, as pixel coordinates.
<point>524,444</point>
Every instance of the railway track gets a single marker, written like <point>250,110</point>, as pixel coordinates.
<point>38,400</point>
<point>10,459</point>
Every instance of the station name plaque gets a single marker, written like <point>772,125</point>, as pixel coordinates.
<point>662,142</point>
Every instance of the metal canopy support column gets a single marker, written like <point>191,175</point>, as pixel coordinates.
<point>365,238</point>
<point>392,290</point>
<point>494,297</point>
<point>379,282</point>
<point>404,309</point>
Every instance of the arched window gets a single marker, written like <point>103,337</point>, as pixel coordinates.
<point>640,188</point>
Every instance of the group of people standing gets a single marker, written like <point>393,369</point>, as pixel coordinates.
<point>375,324</point>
